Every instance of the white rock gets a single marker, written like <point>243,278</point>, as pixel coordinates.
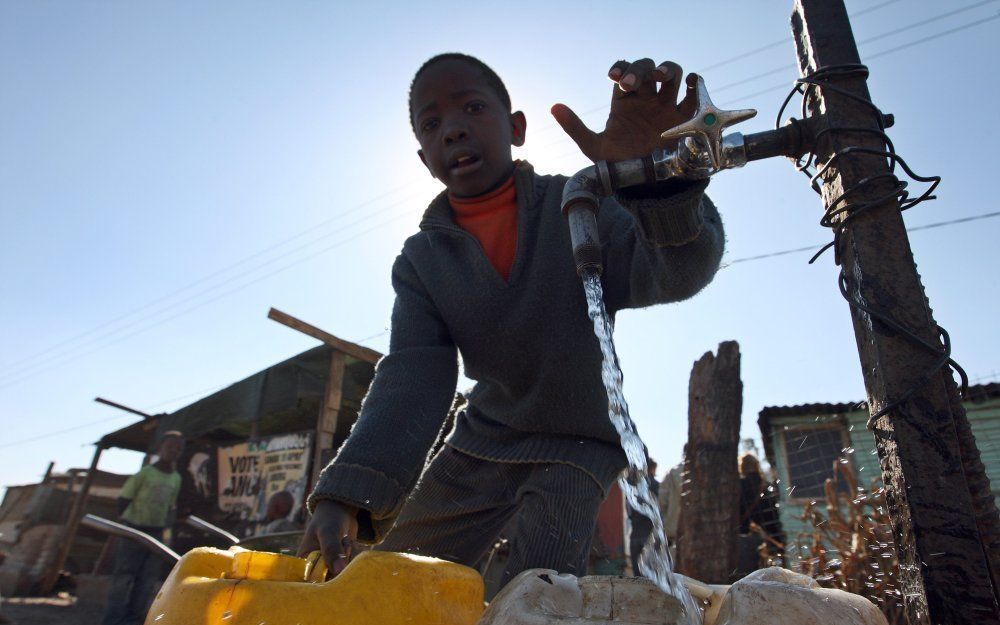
<point>777,596</point>
<point>544,597</point>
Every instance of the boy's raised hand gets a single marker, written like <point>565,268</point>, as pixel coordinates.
<point>332,529</point>
<point>643,105</point>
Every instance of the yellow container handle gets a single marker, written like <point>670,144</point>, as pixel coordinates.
<point>315,567</point>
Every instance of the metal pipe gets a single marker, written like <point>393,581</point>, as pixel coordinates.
<point>203,525</point>
<point>124,531</point>
<point>580,202</point>
<point>583,192</point>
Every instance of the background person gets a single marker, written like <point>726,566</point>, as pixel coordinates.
<point>147,503</point>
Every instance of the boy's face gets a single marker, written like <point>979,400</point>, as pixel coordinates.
<point>464,130</point>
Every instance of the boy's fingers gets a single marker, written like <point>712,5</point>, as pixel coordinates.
<point>346,548</point>
<point>309,544</point>
<point>638,78</point>
<point>574,127</point>
<point>669,74</point>
<point>618,70</point>
<point>689,104</point>
<point>333,550</point>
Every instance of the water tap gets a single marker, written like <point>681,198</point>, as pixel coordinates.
<point>701,151</point>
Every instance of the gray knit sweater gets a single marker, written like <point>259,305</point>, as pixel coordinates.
<point>527,342</point>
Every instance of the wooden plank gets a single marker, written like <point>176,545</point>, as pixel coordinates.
<point>329,412</point>
<point>352,349</point>
<point>72,524</point>
<point>113,404</point>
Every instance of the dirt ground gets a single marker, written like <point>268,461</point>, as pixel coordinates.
<point>61,610</point>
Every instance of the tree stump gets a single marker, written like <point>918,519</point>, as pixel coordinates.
<point>710,497</point>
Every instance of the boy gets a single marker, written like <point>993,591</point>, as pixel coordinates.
<point>147,503</point>
<point>491,275</point>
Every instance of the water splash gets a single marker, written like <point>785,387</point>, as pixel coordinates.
<point>654,561</point>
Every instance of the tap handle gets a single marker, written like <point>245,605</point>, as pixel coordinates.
<point>708,122</point>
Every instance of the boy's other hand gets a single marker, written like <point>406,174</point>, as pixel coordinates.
<point>332,529</point>
<point>643,105</point>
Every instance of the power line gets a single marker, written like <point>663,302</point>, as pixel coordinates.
<point>813,248</point>
<point>784,40</point>
<point>32,439</point>
<point>810,248</point>
<point>19,376</point>
<point>212,288</point>
<point>740,57</point>
<point>10,381</point>
<point>876,55</point>
<point>793,67</point>
<point>226,269</point>
<point>302,233</point>
<point>880,36</point>
<point>81,426</point>
<point>204,391</point>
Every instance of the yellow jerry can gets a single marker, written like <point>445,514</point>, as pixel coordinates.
<point>239,587</point>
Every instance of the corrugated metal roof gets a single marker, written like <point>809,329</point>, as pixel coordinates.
<point>980,404</point>
<point>976,393</point>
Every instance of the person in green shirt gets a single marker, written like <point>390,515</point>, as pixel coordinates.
<point>147,503</point>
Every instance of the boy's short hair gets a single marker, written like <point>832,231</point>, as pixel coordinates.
<point>492,79</point>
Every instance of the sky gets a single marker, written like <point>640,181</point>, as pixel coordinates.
<point>171,170</point>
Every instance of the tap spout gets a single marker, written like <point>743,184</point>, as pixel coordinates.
<point>580,202</point>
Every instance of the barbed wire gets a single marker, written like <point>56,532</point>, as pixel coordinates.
<point>840,213</point>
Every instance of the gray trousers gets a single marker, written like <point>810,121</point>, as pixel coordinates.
<point>461,504</point>
<point>137,572</point>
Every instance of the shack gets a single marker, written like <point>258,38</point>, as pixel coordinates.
<point>272,431</point>
<point>269,432</point>
<point>802,443</point>
<point>31,520</point>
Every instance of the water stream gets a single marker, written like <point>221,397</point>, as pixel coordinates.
<point>654,560</point>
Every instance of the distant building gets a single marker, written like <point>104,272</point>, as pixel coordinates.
<point>31,523</point>
<point>803,442</point>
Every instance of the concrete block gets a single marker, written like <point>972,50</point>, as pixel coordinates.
<point>544,597</point>
<point>776,596</point>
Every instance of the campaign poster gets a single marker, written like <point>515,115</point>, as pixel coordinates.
<point>251,473</point>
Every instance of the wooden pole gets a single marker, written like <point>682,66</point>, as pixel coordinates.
<point>351,349</point>
<point>113,404</point>
<point>72,524</point>
<point>944,575</point>
<point>710,499</point>
<point>329,412</point>
<point>48,474</point>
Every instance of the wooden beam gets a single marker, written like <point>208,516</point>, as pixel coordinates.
<point>329,412</point>
<point>72,524</point>
<point>108,402</point>
<point>351,349</point>
<point>48,474</point>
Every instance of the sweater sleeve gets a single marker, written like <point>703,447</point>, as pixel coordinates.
<point>401,415</point>
<point>661,243</point>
